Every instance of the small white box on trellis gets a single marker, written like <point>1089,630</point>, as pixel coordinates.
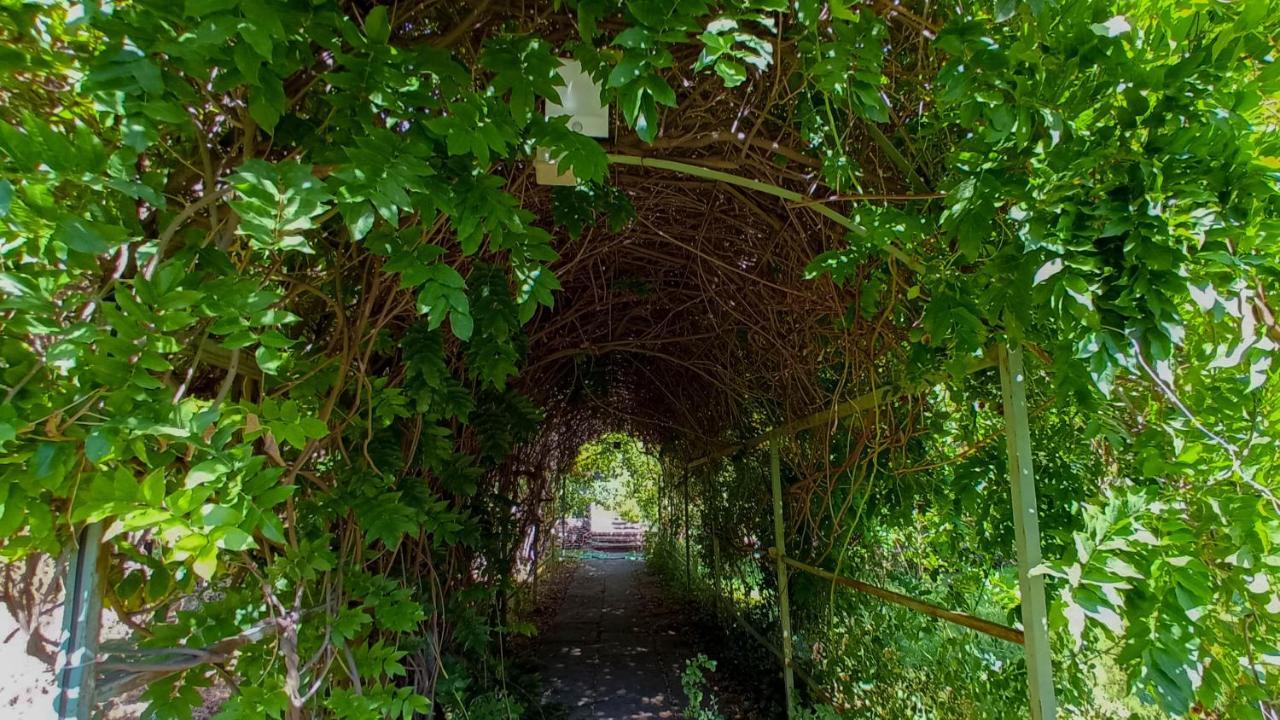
<point>580,100</point>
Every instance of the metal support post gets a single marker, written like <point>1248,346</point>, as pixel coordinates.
<point>81,615</point>
<point>1026,529</point>
<point>537,527</point>
<point>784,602</point>
<point>662,481</point>
<point>715,569</point>
<point>688,555</point>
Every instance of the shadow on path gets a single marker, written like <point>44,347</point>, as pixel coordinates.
<point>615,649</point>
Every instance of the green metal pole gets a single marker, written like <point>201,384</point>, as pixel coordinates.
<point>536,555</point>
<point>784,601</point>
<point>662,478</point>
<point>81,616</point>
<point>1026,530</point>
<point>715,568</point>
<point>688,556</point>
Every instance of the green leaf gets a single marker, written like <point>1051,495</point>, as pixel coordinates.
<point>272,529</point>
<point>258,38</point>
<point>131,585</point>
<point>158,583</point>
<point>82,236</point>
<point>263,110</point>
<point>1048,270</point>
<point>278,203</point>
<point>47,461</point>
<point>97,447</point>
<point>140,519</point>
<point>206,471</point>
<point>462,324</point>
<point>646,117</point>
<point>234,539</point>
<point>662,92</point>
<point>267,100</point>
<point>212,515</point>
<point>248,62</point>
<point>387,520</point>
<point>524,67</point>
<point>262,27</point>
<point>153,487</point>
<point>206,562</point>
<point>840,10</point>
<point>376,26</point>
<point>269,359</point>
<point>580,154</point>
<point>731,71</point>
<point>626,71</point>
<point>6,197</point>
<point>201,8</point>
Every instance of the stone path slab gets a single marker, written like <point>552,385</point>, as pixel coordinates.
<point>615,650</point>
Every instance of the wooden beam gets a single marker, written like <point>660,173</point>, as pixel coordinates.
<point>1026,532</point>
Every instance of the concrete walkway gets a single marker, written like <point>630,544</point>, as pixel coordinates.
<point>615,650</point>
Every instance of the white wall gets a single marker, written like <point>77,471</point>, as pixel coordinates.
<point>602,519</point>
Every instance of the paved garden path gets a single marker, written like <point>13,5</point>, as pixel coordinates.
<point>615,649</point>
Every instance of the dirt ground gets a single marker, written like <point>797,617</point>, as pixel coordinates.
<point>26,683</point>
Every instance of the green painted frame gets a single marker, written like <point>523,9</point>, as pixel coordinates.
<point>1034,636</point>
<point>77,661</point>
<point>784,594</point>
<point>1026,530</point>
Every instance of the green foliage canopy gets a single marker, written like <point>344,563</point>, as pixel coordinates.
<point>232,236</point>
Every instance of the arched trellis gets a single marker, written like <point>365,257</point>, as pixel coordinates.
<point>79,672</point>
<point>773,144</point>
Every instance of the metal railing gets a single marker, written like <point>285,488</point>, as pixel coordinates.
<point>995,630</point>
<point>1033,637</point>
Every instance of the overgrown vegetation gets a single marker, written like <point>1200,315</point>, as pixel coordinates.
<point>617,473</point>
<point>279,306</point>
<point>702,703</point>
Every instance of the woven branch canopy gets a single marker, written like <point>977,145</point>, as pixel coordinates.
<point>698,322</point>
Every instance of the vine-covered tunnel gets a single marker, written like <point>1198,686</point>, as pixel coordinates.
<point>930,344</point>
